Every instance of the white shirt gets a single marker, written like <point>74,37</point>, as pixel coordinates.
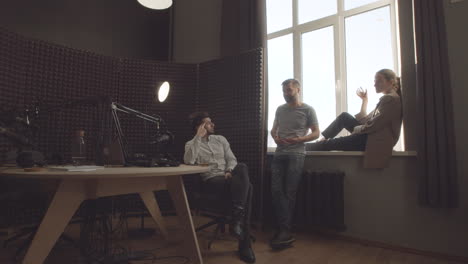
<point>214,151</point>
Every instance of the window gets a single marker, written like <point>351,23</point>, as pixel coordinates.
<point>280,68</point>
<point>318,73</point>
<point>332,47</point>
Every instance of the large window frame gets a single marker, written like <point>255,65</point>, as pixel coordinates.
<point>337,21</point>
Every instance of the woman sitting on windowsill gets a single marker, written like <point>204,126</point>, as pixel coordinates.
<point>375,133</point>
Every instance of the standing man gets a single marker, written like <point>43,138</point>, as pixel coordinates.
<point>226,178</point>
<point>293,121</point>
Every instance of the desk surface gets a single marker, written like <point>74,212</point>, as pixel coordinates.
<point>76,187</point>
<point>106,173</point>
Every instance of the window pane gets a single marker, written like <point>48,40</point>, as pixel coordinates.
<point>350,4</point>
<point>319,74</point>
<point>279,15</point>
<point>314,9</point>
<point>368,49</point>
<point>280,68</point>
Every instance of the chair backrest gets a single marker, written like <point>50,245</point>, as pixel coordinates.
<point>200,199</point>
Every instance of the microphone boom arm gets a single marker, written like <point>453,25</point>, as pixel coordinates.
<point>116,107</point>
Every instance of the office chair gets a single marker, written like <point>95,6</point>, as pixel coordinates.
<point>209,205</point>
<point>218,210</point>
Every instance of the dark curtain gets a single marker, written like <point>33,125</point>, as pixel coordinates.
<point>243,26</point>
<point>436,146</point>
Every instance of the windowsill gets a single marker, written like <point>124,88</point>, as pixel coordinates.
<point>357,153</point>
<point>271,151</point>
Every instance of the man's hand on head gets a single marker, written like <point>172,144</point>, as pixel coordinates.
<point>201,131</point>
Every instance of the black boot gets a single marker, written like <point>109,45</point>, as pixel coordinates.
<point>235,227</point>
<point>246,253</point>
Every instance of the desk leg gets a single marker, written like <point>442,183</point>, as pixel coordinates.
<point>153,207</point>
<point>179,197</point>
<point>66,201</point>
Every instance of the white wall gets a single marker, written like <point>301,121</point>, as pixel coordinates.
<point>382,205</point>
<point>197,29</point>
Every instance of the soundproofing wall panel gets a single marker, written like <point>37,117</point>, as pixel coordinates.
<point>55,76</point>
<point>63,84</point>
<point>50,77</point>
<point>12,63</point>
<point>231,90</point>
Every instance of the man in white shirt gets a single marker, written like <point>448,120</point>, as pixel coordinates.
<point>225,178</point>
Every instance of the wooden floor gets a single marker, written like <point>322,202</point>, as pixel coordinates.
<point>308,249</point>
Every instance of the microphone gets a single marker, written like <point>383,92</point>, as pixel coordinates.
<point>17,138</point>
<point>166,137</point>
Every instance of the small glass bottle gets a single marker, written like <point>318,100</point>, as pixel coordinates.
<point>78,151</point>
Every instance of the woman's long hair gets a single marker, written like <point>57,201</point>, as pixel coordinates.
<point>390,75</point>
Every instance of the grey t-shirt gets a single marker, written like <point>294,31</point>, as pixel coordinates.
<point>294,122</point>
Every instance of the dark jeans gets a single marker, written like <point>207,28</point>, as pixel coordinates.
<point>354,142</point>
<point>286,174</point>
<point>237,190</point>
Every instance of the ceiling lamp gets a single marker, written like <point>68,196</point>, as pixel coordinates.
<point>156,4</point>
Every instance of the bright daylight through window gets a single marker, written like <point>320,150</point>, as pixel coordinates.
<point>332,47</point>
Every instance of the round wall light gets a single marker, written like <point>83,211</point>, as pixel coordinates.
<point>163,91</point>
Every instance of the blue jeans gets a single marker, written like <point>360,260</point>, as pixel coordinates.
<point>286,174</point>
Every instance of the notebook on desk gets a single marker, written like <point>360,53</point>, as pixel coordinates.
<point>76,168</point>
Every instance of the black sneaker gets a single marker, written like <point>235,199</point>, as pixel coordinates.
<point>275,235</point>
<point>282,239</point>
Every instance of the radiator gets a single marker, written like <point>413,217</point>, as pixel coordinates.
<point>320,201</point>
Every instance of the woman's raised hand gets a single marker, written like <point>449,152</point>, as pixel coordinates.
<point>362,93</point>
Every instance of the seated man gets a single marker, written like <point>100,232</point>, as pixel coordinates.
<point>226,176</point>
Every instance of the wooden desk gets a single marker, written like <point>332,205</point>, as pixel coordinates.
<point>75,187</point>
